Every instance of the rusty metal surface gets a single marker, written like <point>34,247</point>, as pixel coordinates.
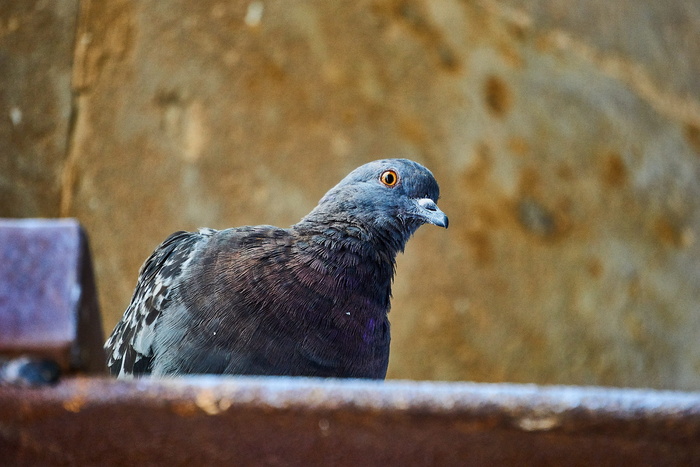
<point>299,421</point>
<point>48,304</point>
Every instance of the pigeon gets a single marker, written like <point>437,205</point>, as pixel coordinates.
<point>311,300</point>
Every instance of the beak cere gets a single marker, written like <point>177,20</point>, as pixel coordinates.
<point>429,211</point>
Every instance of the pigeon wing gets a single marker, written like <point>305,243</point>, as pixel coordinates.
<point>130,347</point>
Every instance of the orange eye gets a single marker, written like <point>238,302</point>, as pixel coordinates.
<point>389,178</point>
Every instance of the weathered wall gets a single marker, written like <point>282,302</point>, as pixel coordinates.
<point>565,136</point>
<point>36,55</point>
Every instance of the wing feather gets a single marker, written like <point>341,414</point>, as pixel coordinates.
<point>129,347</point>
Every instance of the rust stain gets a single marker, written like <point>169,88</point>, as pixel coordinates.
<point>75,404</point>
<point>595,267</point>
<point>692,135</point>
<point>497,96</point>
<point>614,170</point>
<point>481,246</point>
<point>519,146</point>
<point>671,234</point>
<point>529,181</point>
<point>413,130</point>
<point>184,408</point>
<point>565,172</point>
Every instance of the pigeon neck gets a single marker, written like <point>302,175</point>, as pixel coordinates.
<point>353,237</point>
<point>352,261</point>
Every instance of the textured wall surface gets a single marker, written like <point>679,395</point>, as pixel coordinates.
<point>565,136</point>
<point>36,55</point>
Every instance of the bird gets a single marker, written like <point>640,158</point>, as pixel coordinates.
<point>309,300</point>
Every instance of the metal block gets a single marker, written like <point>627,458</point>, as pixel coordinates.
<point>298,421</point>
<point>48,304</point>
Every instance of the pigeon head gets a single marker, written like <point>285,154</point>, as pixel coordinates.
<point>390,197</point>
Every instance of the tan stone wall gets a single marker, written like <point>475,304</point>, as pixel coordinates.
<point>565,136</point>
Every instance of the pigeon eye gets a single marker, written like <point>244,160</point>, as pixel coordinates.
<point>389,178</point>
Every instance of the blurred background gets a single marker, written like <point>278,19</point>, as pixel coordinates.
<point>565,136</point>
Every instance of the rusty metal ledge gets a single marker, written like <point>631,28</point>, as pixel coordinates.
<point>299,421</point>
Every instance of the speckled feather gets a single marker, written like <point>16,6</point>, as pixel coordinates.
<point>310,300</point>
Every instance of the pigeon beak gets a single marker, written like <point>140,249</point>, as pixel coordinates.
<point>429,212</point>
